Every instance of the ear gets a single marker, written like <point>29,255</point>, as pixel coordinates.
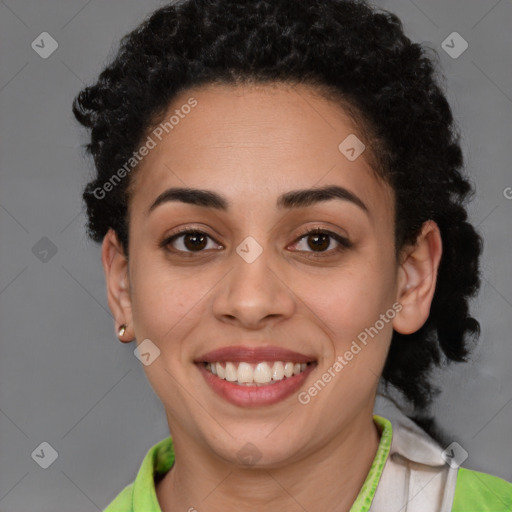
<point>115,266</point>
<point>417,279</point>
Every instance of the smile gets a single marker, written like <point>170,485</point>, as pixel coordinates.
<point>259,374</point>
<point>255,376</point>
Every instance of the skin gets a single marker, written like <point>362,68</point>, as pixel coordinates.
<point>251,144</point>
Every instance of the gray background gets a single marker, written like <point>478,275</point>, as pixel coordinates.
<point>64,377</point>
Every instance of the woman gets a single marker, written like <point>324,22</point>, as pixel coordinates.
<point>281,207</point>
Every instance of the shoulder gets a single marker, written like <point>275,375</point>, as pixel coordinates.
<point>140,495</point>
<point>459,489</point>
<point>123,501</point>
<point>481,492</point>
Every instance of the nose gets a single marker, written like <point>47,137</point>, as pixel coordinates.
<point>253,294</point>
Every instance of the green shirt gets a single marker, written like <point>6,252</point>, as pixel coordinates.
<point>474,491</point>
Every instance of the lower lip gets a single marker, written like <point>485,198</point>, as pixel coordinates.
<point>253,396</point>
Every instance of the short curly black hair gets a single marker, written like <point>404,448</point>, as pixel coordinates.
<point>348,49</point>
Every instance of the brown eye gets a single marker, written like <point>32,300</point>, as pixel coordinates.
<point>318,242</point>
<point>189,242</point>
<point>321,241</point>
<point>194,241</point>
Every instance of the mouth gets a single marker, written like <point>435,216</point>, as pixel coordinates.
<point>260,374</point>
<point>255,376</point>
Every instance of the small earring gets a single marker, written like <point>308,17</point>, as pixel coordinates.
<point>121,330</point>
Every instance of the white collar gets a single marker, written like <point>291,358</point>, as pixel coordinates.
<point>415,477</point>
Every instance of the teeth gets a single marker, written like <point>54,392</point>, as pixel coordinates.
<point>231,373</point>
<point>262,373</point>
<point>278,371</point>
<point>221,372</point>
<point>246,374</point>
<point>288,369</point>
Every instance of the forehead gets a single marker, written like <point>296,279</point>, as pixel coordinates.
<point>254,143</point>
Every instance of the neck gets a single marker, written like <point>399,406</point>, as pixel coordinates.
<point>329,479</point>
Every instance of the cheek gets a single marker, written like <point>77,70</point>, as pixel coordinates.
<point>165,310</point>
<point>350,301</point>
<point>349,312</point>
<point>165,307</point>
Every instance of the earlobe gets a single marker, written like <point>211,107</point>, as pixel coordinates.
<point>115,266</point>
<point>417,279</point>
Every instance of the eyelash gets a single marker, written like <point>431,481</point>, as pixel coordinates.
<point>343,242</point>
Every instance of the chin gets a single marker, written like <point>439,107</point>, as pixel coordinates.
<point>257,449</point>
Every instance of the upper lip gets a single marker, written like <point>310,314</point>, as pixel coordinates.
<point>253,355</point>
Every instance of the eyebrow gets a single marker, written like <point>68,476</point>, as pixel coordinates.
<point>293,199</point>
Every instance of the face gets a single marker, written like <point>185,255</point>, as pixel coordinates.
<point>231,276</point>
